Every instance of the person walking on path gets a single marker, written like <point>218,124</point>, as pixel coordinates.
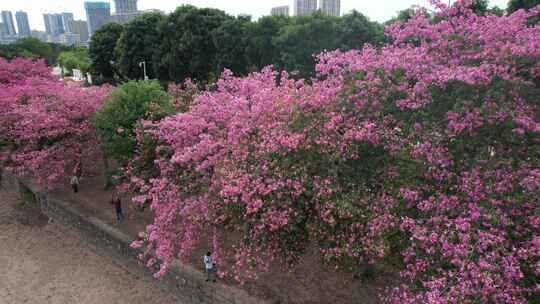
<point>210,267</point>
<point>117,204</point>
<point>78,169</point>
<point>75,183</point>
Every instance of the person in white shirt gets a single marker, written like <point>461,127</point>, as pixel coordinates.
<point>209,266</point>
<point>75,183</point>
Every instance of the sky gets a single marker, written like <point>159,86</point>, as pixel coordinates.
<point>380,10</point>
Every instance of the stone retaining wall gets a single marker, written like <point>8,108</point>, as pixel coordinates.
<point>185,281</point>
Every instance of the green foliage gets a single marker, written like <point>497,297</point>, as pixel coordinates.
<point>34,49</point>
<point>230,40</point>
<point>76,59</point>
<point>302,38</point>
<point>403,16</point>
<point>262,50</point>
<point>109,178</point>
<point>187,48</point>
<point>200,43</point>
<point>102,55</point>
<point>480,7</point>
<point>138,42</point>
<point>514,5</point>
<point>497,11</point>
<point>117,120</point>
<point>27,196</point>
<point>355,30</point>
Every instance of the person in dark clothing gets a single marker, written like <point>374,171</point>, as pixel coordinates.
<point>117,204</point>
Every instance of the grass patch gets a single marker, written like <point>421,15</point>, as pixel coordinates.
<point>27,196</point>
<point>21,204</point>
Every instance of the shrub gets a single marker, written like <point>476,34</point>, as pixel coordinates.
<point>117,120</point>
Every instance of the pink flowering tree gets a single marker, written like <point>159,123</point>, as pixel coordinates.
<point>44,123</point>
<point>19,70</point>
<point>423,153</point>
<point>182,95</point>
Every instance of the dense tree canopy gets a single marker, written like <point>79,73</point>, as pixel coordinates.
<point>355,30</point>
<point>76,59</point>
<point>231,39</point>
<point>200,43</point>
<point>138,42</point>
<point>33,48</point>
<point>102,51</point>
<point>117,120</point>
<point>303,37</point>
<point>261,50</point>
<point>514,5</point>
<point>187,48</point>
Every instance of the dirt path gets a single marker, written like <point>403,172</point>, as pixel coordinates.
<point>47,263</point>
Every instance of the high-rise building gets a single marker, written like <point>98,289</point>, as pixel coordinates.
<point>9,26</point>
<point>304,7</point>
<point>80,28</point>
<point>125,17</point>
<point>3,30</point>
<point>67,19</point>
<point>280,11</point>
<point>97,15</point>
<point>47,20</point>
<point>330,7</point>
<point>125,11</point>
<point>54,24</point>
<point>70,39</point>
<point>22,24</point>
<point>125,6</point>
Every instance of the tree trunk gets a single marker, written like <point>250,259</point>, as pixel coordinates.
<point>106,168</point>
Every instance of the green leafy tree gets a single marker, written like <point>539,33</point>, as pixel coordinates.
<point>480,7</point>
<point>355,30</point>
<point>402,16</point>
<point>187,49</point>
<point>101,52</point>
<point>9,51</point>
<point>262,49</point>
<point>496,11</point>
<point>514,5</point>
<point>33,48</point>
<point>230,42</point>
<point>138,43</point>
<point>304,37</point>
<point>117,120</point>
<point>76,59</point>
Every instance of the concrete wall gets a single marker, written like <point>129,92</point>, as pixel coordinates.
<point>188,283</point>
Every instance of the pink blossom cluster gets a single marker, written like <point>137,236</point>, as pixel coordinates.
<point>183,94</point>
<point>19,70</point>
<point>425,149</point>
<point>45,124</point>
